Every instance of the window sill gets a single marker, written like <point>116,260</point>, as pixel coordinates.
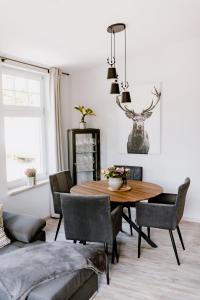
<point>25,188</point>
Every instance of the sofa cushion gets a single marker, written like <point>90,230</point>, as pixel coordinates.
<point>22,228</point>
<point>11,247</point>
<point>4,240</point>
<point>1,215</point>
<point>62,288</point>
<point>16,245</point>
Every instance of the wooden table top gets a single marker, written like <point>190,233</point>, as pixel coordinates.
<point>140,190</point>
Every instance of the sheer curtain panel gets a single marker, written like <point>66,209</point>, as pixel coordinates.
<point>55,97</point>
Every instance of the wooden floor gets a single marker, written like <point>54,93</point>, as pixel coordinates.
<point>156,275</point>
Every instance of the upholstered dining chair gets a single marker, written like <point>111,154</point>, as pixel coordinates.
<point>135,173</point>
<point>164,212</point>
<point>89,218</point>
<point>60,183</point>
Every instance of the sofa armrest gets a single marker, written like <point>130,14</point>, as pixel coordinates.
<point>22,228</point>
<point>116,216</point>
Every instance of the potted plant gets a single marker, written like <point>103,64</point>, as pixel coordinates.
<point>84,112</point>
<point>115,176</point>
<point>31,176</point>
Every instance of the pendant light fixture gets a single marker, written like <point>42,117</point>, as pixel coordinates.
<point>112,73</point>
<point>125,97</point>
<point>114,89</point>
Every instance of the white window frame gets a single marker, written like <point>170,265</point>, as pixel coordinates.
<point>24,111</point>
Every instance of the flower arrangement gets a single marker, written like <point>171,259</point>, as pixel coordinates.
<point>31,172</point>
<point>115,172</point>
<point>85,112</point>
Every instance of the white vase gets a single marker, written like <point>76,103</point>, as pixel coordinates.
<point>115,183</point>
<point>83,125</point>
<point>30,181</point>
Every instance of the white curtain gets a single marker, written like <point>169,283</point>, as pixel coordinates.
<point>56,103</point>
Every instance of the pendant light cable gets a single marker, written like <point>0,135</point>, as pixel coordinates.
<point>114,48</point>
<point>125,57</point>
<point>111,50</point>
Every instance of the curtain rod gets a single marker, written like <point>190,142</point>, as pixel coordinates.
<point>25,63</point>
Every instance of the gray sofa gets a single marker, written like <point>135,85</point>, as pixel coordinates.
<point>25,231</point>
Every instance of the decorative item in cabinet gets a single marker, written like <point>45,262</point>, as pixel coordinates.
<point>84,154</point>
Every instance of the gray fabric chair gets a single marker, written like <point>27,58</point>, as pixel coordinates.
<point>89,218</point>
<point>135,173</point>
<point>60,183</point>
<point>165,212</point>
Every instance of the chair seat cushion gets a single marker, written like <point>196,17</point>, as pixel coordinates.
<point>62,288</point>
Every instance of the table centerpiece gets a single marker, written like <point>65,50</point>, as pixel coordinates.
<point>116,177</point>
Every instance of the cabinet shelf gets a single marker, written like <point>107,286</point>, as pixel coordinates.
<point>82,171</point>
<point>86,152</point>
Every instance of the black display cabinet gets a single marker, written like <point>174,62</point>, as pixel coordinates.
<point>84,154</point>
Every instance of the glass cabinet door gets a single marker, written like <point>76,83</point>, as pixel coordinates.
<point>84,154</point>
<point>85,151</point>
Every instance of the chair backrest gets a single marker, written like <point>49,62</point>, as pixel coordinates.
<point>180,200</point>
<point>135,173</point>
<point>60,183</point>
<point>87,218</point>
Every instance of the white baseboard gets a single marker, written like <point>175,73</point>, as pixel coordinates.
<point>189,219</point>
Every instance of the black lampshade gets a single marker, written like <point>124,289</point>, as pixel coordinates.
<point>115,88</point>
<point>125,97</point>
<point>112,74</point>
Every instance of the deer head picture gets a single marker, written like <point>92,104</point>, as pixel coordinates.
<point>138,139</point>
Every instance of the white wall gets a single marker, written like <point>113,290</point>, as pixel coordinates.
<point>34,202</point>
<point>178,68</point>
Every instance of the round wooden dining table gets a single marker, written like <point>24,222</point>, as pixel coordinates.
<point>139,191</point>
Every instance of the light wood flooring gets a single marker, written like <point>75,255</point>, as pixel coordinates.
<point>156,275</point>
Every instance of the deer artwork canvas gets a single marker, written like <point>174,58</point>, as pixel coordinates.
<point>144,123</point>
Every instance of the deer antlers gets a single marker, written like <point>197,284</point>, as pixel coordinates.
<point>153,105</point>
<point>131,113</point>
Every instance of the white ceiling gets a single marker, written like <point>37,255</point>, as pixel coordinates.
<point>72,34</point>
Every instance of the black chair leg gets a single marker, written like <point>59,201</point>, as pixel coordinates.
<point>107,263</point>
<point>139,242</point>
<point>115,252</point>
<point>174,246</point>
<point>83,242</point>
<point>149,232</point>
<point>58,227</point>
<point>180,237</point>
<point>129,215</point>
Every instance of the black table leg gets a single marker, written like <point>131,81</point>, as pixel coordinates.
<point>143,235</point>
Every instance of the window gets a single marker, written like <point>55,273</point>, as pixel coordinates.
<point>24,123</point>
